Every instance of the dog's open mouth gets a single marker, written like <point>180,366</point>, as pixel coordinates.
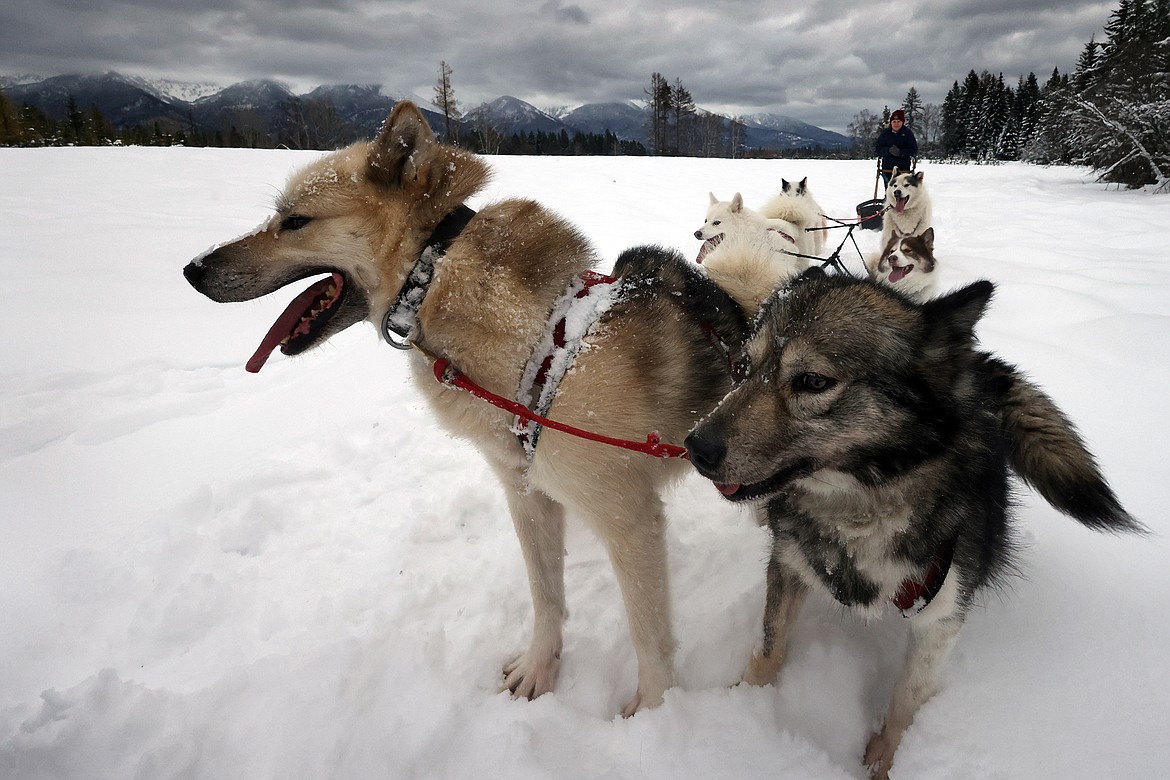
<point>707,246</point>
<point>900,203</point>
<point>735,491</point>
<point>299,326</point>
<point>899,272</point>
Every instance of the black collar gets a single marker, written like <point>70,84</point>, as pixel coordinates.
<point>402,318</point>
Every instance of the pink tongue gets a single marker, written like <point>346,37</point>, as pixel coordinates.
<point>899,272</point>
<point>727,488</point>
<point>900,204</point>
<point>707,246</point>
<point>286,322</point>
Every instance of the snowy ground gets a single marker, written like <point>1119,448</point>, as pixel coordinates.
<point>210,574</point>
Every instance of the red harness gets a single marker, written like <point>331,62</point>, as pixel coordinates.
<point>452,377</point>
<point>533,420</point>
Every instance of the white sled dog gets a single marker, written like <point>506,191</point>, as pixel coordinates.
<point>746,266</point>
<point>796,204</point>
<point>907,208</point>
<point>386,223</point>
<point>726,218</point>
<point>908,265</point>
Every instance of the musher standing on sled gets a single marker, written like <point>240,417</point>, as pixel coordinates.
<point>896,146</point>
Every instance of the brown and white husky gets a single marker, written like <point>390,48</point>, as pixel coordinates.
<point>361,218</point>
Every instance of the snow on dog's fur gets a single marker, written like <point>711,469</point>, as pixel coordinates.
<point>907,264</point>
<point>795,203</point>
<point>877,439</point>
<point>727,218</point>
<point>908,210</point>
<point>363,217</point>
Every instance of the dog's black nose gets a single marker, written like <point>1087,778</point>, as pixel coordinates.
<point>193,272</point>
<point>699,234</point>
<point>706,453</point>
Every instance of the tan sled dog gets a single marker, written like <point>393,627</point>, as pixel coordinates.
<point>363,216</point>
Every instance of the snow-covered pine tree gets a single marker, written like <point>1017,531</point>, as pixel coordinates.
<point>1116,110</point>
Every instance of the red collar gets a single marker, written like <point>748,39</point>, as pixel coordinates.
<point>913,595</point>
<point>791,240</point>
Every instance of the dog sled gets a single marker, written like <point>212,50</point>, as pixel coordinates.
<point>869,212</point>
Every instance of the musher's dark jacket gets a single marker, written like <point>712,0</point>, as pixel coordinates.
<point>906,144</point>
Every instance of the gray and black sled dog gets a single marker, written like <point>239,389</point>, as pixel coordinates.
<point>878,439</point>
<point>385,226</point>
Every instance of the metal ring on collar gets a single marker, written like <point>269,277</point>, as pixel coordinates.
<point>388,334</point>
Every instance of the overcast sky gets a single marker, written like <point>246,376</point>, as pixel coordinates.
<point>820,62</point>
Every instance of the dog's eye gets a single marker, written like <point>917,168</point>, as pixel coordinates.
<point>294,222</point>
<point>813,383</point>
<point>716,222</point>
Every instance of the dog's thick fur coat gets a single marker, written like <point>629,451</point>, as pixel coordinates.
<point>879,439</point>
<point>908,264</point>
<point>731,219</point>
<point>796,204</point>
<point>363,214</point>
<point>908,210</point>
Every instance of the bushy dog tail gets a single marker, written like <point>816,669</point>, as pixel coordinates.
<point>1046,451</point>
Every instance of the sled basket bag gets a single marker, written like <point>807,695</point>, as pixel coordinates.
<point>867,210</point>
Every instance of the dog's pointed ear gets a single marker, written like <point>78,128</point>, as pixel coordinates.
<point>928,238</point>
<point>802,187</point>
<point>714,200</point>
<point>920,176</point>
<point>784,185</point>
<point>399,153</point>
<point>951,318</point>
<point>736,203</point>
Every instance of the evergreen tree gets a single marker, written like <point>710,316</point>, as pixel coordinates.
<point>1114,113</point>
<point>445,100</point>
<point>658,106</point>
<point>912,105</point>
<point>682,110</point>
<point>10,132</point>
<point>953,131</point>
<point>1026,108</point>
<point>1086,70</point>
<point>74,129</point>
<point>101,132</point>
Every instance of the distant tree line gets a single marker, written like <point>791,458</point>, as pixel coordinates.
<point>561,143</point>
<point>1112,114</point>
<point>301,124</point>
